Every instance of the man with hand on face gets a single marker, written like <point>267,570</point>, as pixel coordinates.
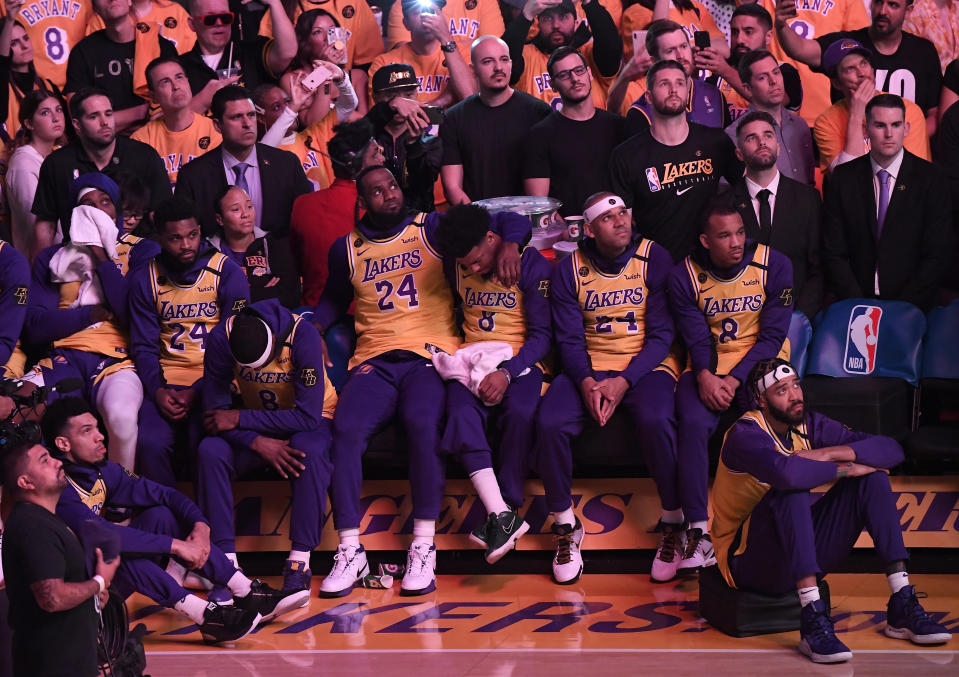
<point>403,314</point>
<point>167,525</point>
<point>175,302</point>
<point>732,300</point>
<point>770,540</point>
<point>613,333</point>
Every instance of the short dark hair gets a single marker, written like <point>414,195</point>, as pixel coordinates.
<point>58,414</point>
<point>658,29</point>
<point>224,96</point>
<point>754,116</point>
<point>362,175</point>
<point>461,228</point>
<point>885,101</point>
<point>13,462</point>
<point>157,62</point>
<point>721,204</point>
<point>663,65</point>
<point>259,94</point>
<point>561,53</point>
<point>749,58</point>
<point>347,145</point>
<point>76,103</point>
<point>172,210</point>
<point>218,200</point>
<point>756,11</point>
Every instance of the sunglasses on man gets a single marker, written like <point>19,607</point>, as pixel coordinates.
<point>216,19</point>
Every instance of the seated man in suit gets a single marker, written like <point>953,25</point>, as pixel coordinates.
<point>793,229</point>
<point>272,178</point>
<point>887,229</point>
<point>768,538</point>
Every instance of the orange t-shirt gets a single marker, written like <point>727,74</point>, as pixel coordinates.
<point>364,41</point>
<point>178,148</point>
<point>816,18</point>
<point>432,75</point>
<point>830,133</point>
<point>54,28</point>
<point>637,18</point>
<point>310,147</point>
<point>169,16</point>
<point>535,80</point>
<point>469,19</point>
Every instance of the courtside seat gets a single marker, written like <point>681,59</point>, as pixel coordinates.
<point>937,438</point>
<point>863,366</point>
<point>800,336</point>
<point>742,613</point>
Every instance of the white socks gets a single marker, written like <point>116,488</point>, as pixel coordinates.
<point>300,556</point>
<point>702,526</point>
<point>565,517</point>
<point>232,557</point>
<point>423,531</point>
<point>898,581</point>
<point>673,516</point>
<point>350,537</point>
<point>484,481</point>
<point>118,401</point>
<point>176,571</point>
<point>192,607</point>
<point>239,585</point>
<point>808,595</point>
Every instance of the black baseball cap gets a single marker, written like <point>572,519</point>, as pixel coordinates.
<point>394,76</point>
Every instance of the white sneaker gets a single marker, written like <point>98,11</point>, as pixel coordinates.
<point>349,567</point>
<point>568,562</point>
<point>669,553</point>
<point>699,551</point>
<point>420,576</point>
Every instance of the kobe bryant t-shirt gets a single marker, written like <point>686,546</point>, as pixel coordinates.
<point>668,187</point>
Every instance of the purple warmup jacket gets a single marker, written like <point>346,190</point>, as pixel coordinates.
<point>14,278</point>
<point>568,316</point>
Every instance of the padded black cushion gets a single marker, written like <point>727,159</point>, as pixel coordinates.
<point>934,443</point>
<point>875,405</point>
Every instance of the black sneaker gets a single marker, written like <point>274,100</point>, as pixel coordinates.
<point>271,603</point>
<point>478,534</point>
<point>227,623</point>
<point>502,532</point>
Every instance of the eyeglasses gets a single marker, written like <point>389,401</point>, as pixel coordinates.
<point>216,19</point>
<point>132,216</point>
<point>569,73</point>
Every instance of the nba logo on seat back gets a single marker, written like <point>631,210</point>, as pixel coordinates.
<point>652,177</point>
<point>862,340</point>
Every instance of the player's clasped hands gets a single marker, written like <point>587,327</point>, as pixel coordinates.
<point>217,421</point>
<point>279,454</point>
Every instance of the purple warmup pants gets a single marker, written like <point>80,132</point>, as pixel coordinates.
<point>696,426</point>
<point>465,435</point>
<point>147,576</point>
<point>649,404</point>
<point>789,537</point>
<point>218,463</point>
<point>397,383</point>
<point>158,434</point>
<point>73,363</point>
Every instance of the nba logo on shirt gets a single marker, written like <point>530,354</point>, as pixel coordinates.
<point>862,340</point>
<point>652,177</point>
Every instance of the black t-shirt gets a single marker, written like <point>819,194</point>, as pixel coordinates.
<point>574,155</point>
<point>669,186</point>
<point>61,167</point>
<point>913,71</point>
<point>37,546</point>
<point>250,56</point>
<point>98,61</point>
<point>488,142</point>
<point>951,78</point>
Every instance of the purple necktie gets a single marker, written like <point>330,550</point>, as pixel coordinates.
<point>883,199</point>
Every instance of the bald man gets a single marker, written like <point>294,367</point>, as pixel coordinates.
<point>613,334</point>
<point>483,135</point>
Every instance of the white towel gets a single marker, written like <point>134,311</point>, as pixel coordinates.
<point>472,363</point>
<point>74,263</point>
<point>92,226</point>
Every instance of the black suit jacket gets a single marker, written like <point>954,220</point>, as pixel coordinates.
<point>282,181</point>
<point>914,251</point>
<point>795,232</point>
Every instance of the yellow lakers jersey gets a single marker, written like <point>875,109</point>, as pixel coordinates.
<point>403,301</point>
<point>95,497</point>
<point>178,148</point>
<point>310,147</point>
<point>736,493</point>
<point>468,20</point>
<point>187,315</point>
<point>170,19</point>
<point>614,309</point>
<point>732,307</point>
<point>491,310</point>
<point>54,28</point>
<point>271,386</point>
<point>432,74</point>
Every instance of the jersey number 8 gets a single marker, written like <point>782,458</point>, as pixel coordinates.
<point>55,41</point>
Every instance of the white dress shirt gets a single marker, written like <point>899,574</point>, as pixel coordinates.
<point>753,188</point>
<point>252,177</point>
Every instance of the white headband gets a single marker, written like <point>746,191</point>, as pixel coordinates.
<point>603,206</point>
<point>773,377</point>
<point>84,191</point>
<point>263,359</point>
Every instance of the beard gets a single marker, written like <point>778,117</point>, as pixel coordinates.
<point>784,416</point>
<point>758,161</point>
<point>570,99</point>
<point>669,108</point>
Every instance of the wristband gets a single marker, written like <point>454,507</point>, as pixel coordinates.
<point>102,583</point>
<point>509,378</point>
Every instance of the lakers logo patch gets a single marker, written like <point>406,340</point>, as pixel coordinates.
<point>170,22</point>
<point>204,142</point>
<point>143,27</point>
<point>239,305</point>
<point>21,294</point>
<point>348,12</point>
<point>308,376</point>
<point>358,243</point>
<point>471,4</point>
<point>583,271</point>
<point>702,277</point>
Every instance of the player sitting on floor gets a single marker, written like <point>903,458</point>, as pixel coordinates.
<point>732,302</point>
<point>519,317</point>
<point>770,537</point>
<point>168,525</point>
<point>404,313</point>
<point>276,358</point>
<point>613,333</point>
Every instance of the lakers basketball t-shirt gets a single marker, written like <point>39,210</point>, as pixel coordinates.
<point>668,186</point>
